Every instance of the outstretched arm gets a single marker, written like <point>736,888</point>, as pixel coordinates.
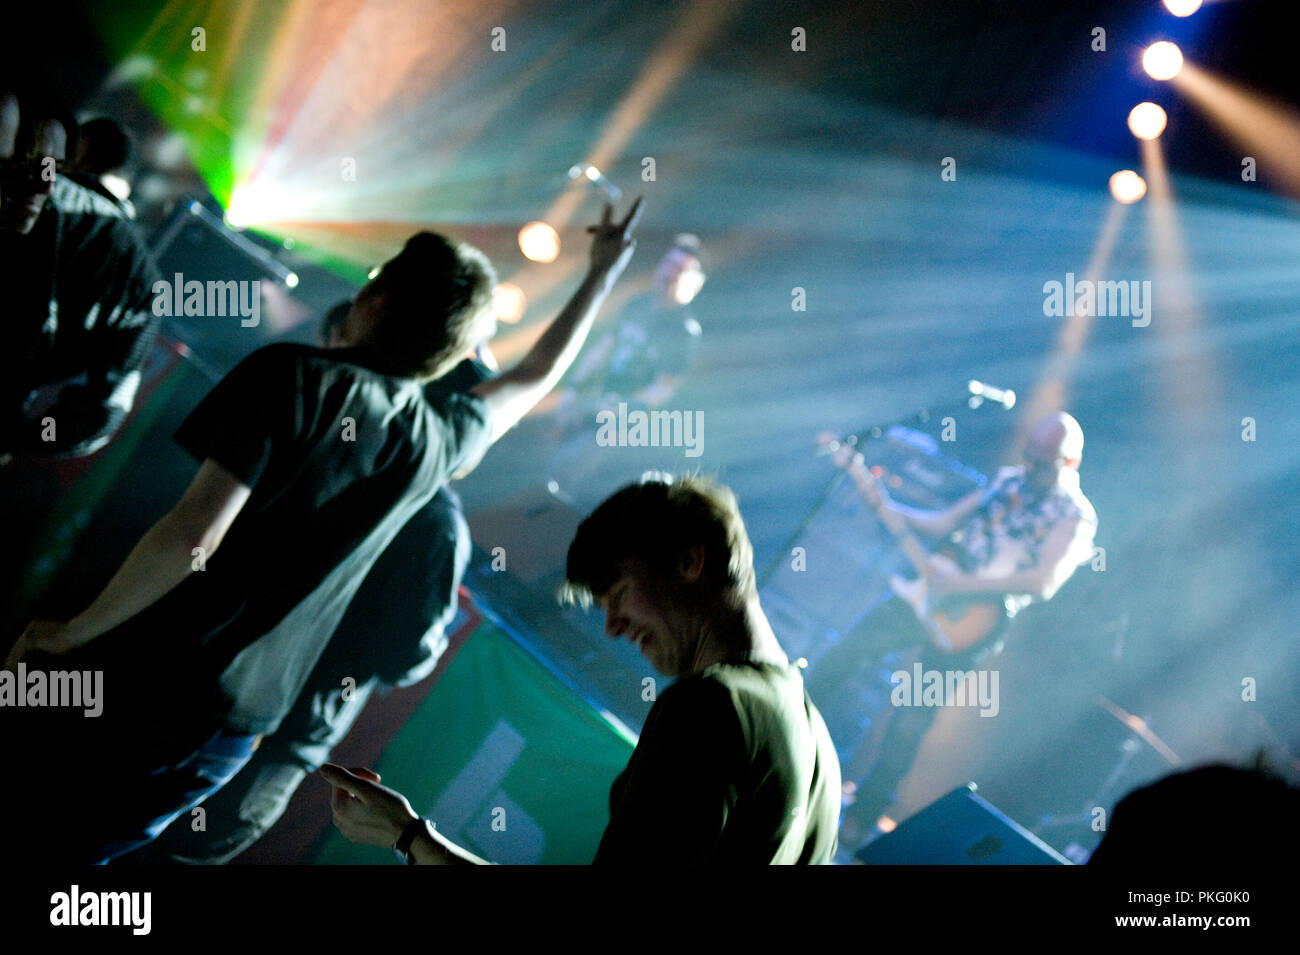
<point>374,815</point>
<point>513,394</point>
<point>158,563</point>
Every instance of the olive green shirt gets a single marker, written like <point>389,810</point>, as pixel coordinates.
<point>734,767</point>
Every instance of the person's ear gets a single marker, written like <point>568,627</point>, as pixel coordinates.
<point>692,565</point>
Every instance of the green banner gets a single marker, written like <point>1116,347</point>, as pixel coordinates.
<point>505,759</point>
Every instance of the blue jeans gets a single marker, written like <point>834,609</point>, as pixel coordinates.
<point>171,790</point>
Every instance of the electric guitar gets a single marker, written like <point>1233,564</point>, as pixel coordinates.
<point>954,623</point>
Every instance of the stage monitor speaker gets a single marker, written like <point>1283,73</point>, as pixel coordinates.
<point>960,829</point>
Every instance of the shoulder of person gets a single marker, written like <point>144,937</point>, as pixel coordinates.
<point>1087,512</point>
<point>700,707</point>
<point>278,358</point>
<point>95,222</point>
<point>72,198</point>
<point>749,687</point>
<point>708,689</point>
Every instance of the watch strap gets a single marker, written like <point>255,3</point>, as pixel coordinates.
<point>403,845</point>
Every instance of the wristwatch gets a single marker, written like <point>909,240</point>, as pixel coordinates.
<point>402,847</point>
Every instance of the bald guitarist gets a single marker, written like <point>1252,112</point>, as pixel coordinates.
<point>1017,542</point>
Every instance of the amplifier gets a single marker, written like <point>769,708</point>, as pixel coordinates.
<point>960,829</point>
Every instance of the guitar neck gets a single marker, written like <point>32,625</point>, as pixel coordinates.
<point>912,548</point>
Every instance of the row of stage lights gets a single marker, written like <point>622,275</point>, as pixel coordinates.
<point>1161,61</point>
<point>539,241</point>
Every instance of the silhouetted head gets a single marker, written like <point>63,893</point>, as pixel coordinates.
<point>1055,444</point>
<point>104,147</point>
<point>1214,816</point>
<point>426,308</point>
<point>37,135</point>
<point>663,559</point>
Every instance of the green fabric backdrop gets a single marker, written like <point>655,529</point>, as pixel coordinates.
<point>505,759</point>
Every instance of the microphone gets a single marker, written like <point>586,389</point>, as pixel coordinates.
<point>597,178</point>
<point>980,391</point>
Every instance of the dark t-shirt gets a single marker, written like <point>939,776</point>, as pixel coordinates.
<point>734,766</point>
<point>410,594</point>
<point>338,457</point>
<point>78,291</point>
<point>394,630</point>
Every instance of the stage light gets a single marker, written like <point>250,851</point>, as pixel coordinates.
<point>291,280</point>
<point>1182,8</point>
<point>509,301</point>
<point>1162,60</point>
<point>259,202</point>
<point>688,284</point>
<point>539,242</point>
<point>1127,186</point>
<point>373,272</point>
<point>239,214</point>
<point>1147,120</point>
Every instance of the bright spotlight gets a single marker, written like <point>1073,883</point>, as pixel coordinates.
<point>1127,186</point>
<point>688,286</point>
<point>239,215</point>
<point>1147,120</point>
<point>509,301</point>
<point>291,280</point>
<point>1162,60</point>
<point>539,242</point>
<point>1182,8</point>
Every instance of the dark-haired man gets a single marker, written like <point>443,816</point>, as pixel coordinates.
<point>734,764</point>
<point>393,634</point>
<point>312,460</point>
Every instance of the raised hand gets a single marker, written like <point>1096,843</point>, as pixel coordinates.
<point>612,247</point>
